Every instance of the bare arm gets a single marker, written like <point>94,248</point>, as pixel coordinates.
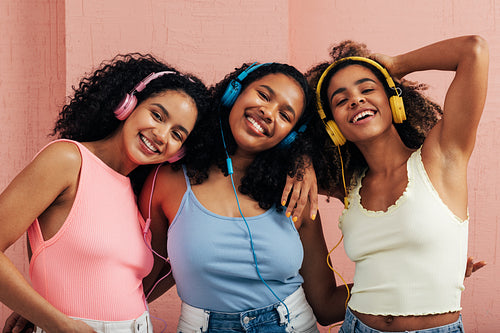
<point>35,189</point>
<point>160,278</point>
<point>468,57</point>
<point>325,297</point>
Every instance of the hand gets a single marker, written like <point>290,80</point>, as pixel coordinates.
<point>473,266</point>
<point>17,324</point>
<point>388,63</point>
<point>299,192</point>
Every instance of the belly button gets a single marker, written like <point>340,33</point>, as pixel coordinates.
<point>389,319</point>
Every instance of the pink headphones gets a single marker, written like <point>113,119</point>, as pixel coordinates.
<point>128,103</point>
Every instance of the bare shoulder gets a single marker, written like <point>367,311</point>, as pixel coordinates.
<point>165,186</point>
<point>61,154</point>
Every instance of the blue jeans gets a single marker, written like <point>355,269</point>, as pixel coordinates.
<point>269,319</point>
<point>353,325</point>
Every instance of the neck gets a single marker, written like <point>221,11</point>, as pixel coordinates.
<point>384,154</point>
<point>111,151</point>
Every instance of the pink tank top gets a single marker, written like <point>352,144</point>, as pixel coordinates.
<point>93,267</point>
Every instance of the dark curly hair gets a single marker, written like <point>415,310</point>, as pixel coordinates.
<point>89,114</point>
<point>266,176</point>
<point>422,114</point>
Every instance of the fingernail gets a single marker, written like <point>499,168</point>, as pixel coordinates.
<point>313,217</point>
<point>283,203</point>
<point>288,214</point>
<point>294,219</point>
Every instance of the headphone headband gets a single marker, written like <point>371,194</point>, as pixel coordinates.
<point>396,102</point>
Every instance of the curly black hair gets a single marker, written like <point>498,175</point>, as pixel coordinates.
<point>422,114</point>
<point>89,114</point>
<point>266,176</point>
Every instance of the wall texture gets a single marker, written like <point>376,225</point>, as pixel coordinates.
<point>46,46</point>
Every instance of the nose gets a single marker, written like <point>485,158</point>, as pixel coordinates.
<point>356,100</point>
<point>161,134</point>
<point>268,112</point>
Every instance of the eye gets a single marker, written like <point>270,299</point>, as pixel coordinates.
<point>177,135</point>
<point>156,115</point>
<point>263,95</point>
<point>341,102</point>
<point>367,90</point>
<point>285,115</point>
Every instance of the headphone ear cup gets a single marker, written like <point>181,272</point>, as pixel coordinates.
<point>287,141</point>
<point>334,132</point>
<point>126,106</point>
<point>398,109</point>
<point>231,93</point>
<point>180,154</point>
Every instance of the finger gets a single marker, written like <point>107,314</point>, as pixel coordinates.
<point>294,200</point>
<point>286,190</point>
<point>301,204</point>
<point>22,325</point>
<point>469,267</point>
<point>313,199</point>
<point>478,265</point>
<point>10,322</point>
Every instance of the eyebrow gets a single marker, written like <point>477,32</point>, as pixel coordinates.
<point>271,91</point>
<point>167,115</point>
<point>338,91</point>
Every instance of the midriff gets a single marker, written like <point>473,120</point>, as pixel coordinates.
<point>406,323</point>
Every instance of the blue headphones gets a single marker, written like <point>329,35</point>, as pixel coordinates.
<point>233,90</point>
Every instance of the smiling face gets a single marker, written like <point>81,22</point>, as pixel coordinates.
<point>265,112</point>
<point>358,102</point>
<point>158,127</point>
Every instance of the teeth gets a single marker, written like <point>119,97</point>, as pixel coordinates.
<point>362,115</point>
<point>255,124</point>
<point>148,144</point>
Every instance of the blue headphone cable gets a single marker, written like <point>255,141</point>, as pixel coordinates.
<point>230,172</point>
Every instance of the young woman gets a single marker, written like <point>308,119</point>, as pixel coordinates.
<point>406,219</point>
<point>76,202</point>
<point>239,262</point>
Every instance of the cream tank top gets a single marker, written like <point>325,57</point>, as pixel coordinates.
<point>410,259</point>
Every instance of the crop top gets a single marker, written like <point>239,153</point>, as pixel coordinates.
<point>94,265</point>
<point>212,260</point>
<point>410,259</point>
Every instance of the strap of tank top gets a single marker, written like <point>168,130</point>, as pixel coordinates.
<point>188,182</point>
<point>148,219</point>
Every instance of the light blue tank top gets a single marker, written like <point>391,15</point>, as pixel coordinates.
<point>212,260</point>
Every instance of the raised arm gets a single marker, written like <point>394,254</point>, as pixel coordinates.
<point>468,57</point>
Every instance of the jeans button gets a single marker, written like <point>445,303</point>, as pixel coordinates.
<point>246,320</point>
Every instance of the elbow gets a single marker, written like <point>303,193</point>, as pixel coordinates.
<point>478,46</point>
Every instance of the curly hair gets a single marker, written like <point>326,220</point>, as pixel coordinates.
<point>265,178</point>
<point>422,114</point>
<point>89,114</point>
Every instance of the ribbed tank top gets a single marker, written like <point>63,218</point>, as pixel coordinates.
<point>212,260</point>
<point>410,260</point>
<point>94,265</point>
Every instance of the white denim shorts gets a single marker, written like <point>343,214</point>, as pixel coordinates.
<point>140,325</point>
<point>302,319</point>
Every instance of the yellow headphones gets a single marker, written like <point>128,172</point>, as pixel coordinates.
<point>396,101</point>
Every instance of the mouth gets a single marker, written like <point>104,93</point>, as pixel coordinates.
<point>257,125</point>
<point>362,115</point>
<point>149,144</point>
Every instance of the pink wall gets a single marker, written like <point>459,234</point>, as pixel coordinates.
<point>46,46</point>
<point>32,69</point>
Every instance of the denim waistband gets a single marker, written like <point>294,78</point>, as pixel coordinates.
<point>301,317</point>
<point>142,324</point>
<point>353,325</point>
